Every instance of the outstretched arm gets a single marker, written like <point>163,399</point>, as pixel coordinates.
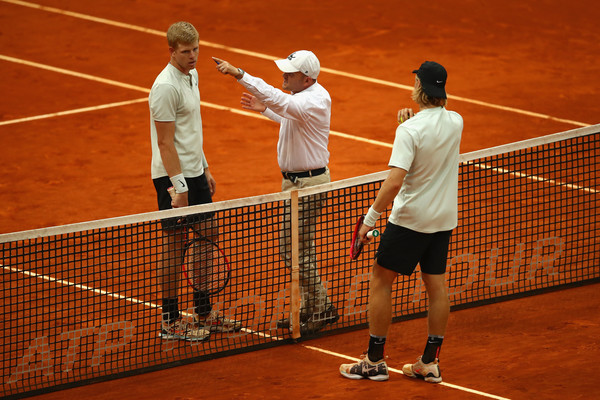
<point>226,68</point>
<point>263,98</point>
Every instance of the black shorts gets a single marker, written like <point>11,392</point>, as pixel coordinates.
<point>198,193</point>
<point>400,249</point>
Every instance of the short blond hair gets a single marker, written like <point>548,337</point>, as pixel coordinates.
<point>182,33</point>
<point>420,97</point>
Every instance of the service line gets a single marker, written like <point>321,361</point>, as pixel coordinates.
<point>118,296</point>
<point>143,90</point>
<point>269,57</point>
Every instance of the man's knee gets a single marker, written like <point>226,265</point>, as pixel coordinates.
<point>382,278</point>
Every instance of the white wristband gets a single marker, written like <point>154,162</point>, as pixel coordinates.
<point>371,217</point>
<point>179,183</point>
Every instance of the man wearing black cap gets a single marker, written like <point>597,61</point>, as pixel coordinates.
<point>423,185</point>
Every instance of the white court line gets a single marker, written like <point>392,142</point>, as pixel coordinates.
<point>224,108</point>
<point>533,177</point>
<point>114,295</point>
<point>145,90</point>
<point>75,111</point>
<point>73,73</point>
<point>397,371</point>
<point>269,57</point>
<point>79,286</point>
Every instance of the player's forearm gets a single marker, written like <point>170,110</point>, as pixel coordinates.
<point>165,133</point>
<point>170,160</point>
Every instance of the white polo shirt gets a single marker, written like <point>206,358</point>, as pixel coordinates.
<point>427,146</point>
<point>304,120</point>
<point>175,97</point>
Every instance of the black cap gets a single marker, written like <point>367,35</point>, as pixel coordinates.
<point>433,79</point>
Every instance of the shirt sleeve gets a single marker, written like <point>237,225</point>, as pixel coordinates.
<point>403,150</point>
<point>271,115</point>
<point>283,104</point>
<point>163,103</point>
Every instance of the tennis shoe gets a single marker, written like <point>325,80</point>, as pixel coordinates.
<point>365,368</point>
<point>182,330</point>
<point>286,323</point>
<point>218,323</point>
<point>312,323</point>
<point>429,372</point>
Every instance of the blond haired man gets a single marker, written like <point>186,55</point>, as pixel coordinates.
<point>178,161</point>
<point>423,185</point>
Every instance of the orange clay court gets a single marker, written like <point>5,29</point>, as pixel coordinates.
<point>75,145</point>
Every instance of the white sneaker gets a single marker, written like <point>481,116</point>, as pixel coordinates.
<point>182,330</point>
<point>365,368</point>
<point>217,323</point>
<point>429,372</point>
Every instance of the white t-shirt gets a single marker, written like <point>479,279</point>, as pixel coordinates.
<point>175,97</point>
<point>304,118</point>
<point>427,146</point>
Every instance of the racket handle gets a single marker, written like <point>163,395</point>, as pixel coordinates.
<point>372,234</point>
<point>171,191</point>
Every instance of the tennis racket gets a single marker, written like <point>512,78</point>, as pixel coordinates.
<point>356,246</point>
<point>204,265</point>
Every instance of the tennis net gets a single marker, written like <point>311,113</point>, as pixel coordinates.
<point>81,302</point>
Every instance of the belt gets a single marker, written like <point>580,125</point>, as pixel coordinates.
<point>293,176</point>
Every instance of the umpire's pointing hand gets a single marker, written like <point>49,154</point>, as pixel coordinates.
<point>226,68</point>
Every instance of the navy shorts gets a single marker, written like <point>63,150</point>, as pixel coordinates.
<point>401,249</point>
<point>198,193</point>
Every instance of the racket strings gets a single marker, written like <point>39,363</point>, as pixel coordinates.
<point>206,266</point>
<point>202,265</point>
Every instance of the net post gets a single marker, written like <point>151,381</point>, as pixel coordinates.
<point>295,292</point>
